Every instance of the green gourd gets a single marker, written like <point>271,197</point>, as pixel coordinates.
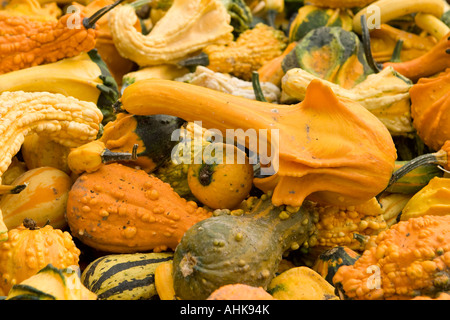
<point>232,248</point>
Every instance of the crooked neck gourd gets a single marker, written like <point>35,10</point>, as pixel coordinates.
<point>329,149</point>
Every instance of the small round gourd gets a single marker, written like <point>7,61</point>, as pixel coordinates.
<point>30,248</point>
<point>221,185</point>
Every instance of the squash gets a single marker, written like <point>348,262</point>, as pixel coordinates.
<point>384,94</point>
<point>310,17</point>
<point>124,276</point>
<point>431,199</point>
<point>244,246</point>
<point>164,281</point>
<point>40,151</point>
<point>84,77</point>
<point>44,199</point>
<point>186,28</point>
<point>330,53</point>
<point>330,260</point>
<point>30,248</point>
<point>301,283</point>
<point>222,180</point>
<point>151,134</point>
<point>430,100</point>
<point>409,259</point>
<point>51,283</point>
<point>272,70</point>
<point>384,39</point>
<point>249,52</point>
<point>119,209</point>
<point>205,77</point>
<point>344,162</point>
<point>239,291</point>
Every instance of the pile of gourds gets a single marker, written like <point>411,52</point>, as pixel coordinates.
<point>116,177</point>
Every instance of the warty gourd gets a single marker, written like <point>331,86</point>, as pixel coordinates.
<point>66,120</point>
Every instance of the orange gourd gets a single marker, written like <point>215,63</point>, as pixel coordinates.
<point>27,42</point>
<point>329,149</point>
<point>430,105</point>
<point>238,291</point>
<point>222,184</point>
<point>30,248</point>
<point>436,60</point>
<point>120,209</point>
<point>410,259</point>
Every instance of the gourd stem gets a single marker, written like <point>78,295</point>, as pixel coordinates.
<point>271,16</point>
<point>437,158</point>
<point>109,156</point>
<point>367,46</point>
<point>30,224</point>
<point>397,49</point>
<point>89,23</point>
<point>201,59</point>
<point>8,189</point>
<point>259,95</point>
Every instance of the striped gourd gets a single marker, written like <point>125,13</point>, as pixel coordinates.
<point>124,276</point>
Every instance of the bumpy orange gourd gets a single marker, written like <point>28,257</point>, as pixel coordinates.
<point>430,105</point>
<point>329,149</point>
<point>238,291</point>
<point>410,259</point>
<point>121,209</point>
<point>25,42</point>
<point>29,249</point>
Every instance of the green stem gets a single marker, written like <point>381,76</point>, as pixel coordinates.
<point>437,158</point>
<point>367,46</point>
<point>397,50</point>
<point>257,87</point>
<point>201,59</point>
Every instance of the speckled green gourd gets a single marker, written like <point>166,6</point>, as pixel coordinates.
<point>244,246</point>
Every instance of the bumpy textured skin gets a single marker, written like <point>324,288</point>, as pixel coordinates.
<point>120,209</point>
<point>410,259</point>
<point>28,251</point>
<point>65,120</point>
<point>251,50</point>
<point>244,246</point>
<point>26,43</point>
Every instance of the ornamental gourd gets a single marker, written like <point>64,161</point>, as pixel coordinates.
<point>32,42</point>
<point>330,53</point>
<point>52,283</point>
<point>30,248</point>
<point>119,209</point>
<point>411,259</point>
<point>430,102</point>
<point>330,149</point>
<point>244,246</point>
<point>187,27</point>
<point>44,199</point>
